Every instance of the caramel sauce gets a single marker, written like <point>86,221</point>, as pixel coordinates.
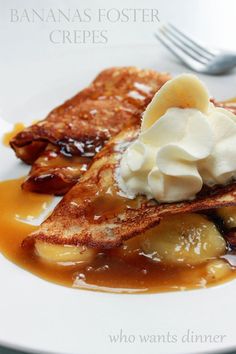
<point>18,127</point>
<point>119,270</point>
<point>107,204</point>
<point>16,206</point>
<point>57,160</point>
<point>55,173</point>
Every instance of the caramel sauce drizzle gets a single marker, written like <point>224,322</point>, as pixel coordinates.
<point>108,204</point>
<point>110,270</point>
<point>18,127</point>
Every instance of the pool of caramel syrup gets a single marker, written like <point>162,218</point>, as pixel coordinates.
<point>110,271</point>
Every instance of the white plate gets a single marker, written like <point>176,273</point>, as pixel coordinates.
<point>39,316</point>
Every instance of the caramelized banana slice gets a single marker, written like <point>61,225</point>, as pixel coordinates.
<point>184,91</point>
<point>187,238</point>
<point>218,269</point>
<point>228,215</point>
<point>59,253</point>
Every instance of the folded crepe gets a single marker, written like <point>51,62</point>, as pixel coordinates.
<point>55,173</point>
<point>83,124</point>
<point>95,213</point>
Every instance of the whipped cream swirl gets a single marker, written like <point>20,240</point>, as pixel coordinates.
<point>184,149</point>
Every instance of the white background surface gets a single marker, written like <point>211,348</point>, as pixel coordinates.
<point>26,51</point>
<point>35,76</point>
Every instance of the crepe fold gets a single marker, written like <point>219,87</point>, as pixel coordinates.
<point>82,125</point>
<point>96,214</point>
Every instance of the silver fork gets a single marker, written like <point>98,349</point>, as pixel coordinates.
<point>193,54</point>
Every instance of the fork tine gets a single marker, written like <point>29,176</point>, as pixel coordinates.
<point>182,47</point>
<point>191,63</point>
<point>186,43</point>
<point>195,43</point>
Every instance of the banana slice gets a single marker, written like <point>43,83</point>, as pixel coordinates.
<point>131,247</point>
<point>228,215</point>
<point>58,253</point>
<point>184,91</point>
<point>187,238</point>
<point>218,269</point>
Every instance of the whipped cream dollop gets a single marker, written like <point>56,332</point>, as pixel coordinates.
<point>185,148</point>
